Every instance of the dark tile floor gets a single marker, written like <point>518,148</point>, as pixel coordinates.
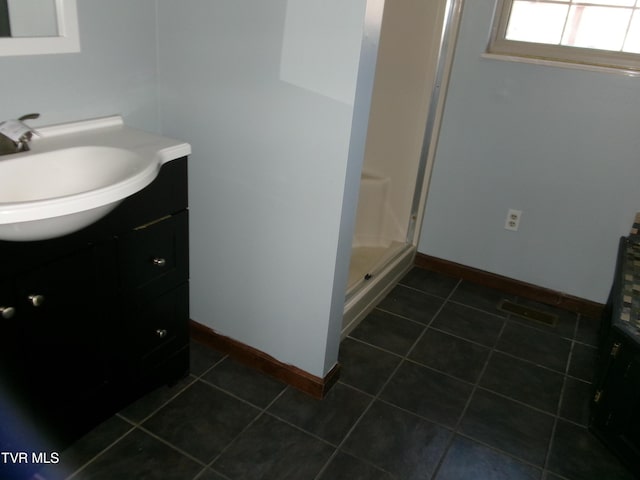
<point>436,384</point>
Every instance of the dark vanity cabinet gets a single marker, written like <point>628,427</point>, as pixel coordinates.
<point>91,321</point>
<point>615,413</point>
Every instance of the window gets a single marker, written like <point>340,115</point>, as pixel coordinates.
<point>593,32</point>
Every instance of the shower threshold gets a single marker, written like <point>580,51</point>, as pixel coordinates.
<point>373,272</point>
<point>367,262</point>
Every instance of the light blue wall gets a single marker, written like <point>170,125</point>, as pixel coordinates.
<point>561,145</point>
<point>269,164</point>
<point>115,73</point>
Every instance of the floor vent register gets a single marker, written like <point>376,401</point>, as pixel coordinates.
<point>522,311</point>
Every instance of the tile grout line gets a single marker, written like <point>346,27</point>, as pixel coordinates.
<point>134,425</point>
<point>85,465</point>
<point>171,445</point>
<point>348,434</point>
<point>533,363</point>
<point>357,422</point>
<point>193,379</point>
<point>428,325</point>
<point>137,424</point>
<point>200,475</point>
<point>261,413</point>
<point>476,386</point>
<point>409,319</point>
<point>405,358</point>
<point>560,403</point>
<point>384,385</point>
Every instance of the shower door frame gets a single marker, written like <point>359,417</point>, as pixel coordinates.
<point>448,41</point>
<point>360,301</point>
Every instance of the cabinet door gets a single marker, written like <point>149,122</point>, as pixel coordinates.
<point>61,333</point>
<point>616,416</point>
<point>8,328</point>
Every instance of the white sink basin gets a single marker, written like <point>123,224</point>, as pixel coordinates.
<point>75,174</point>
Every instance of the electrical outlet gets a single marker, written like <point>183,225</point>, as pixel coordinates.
<point>513,220</point>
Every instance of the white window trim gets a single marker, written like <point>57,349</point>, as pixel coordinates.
<point>500,47</point>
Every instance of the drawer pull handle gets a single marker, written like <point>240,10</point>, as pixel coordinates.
<point>161,333</point>
<point>7,312</point>
<point>36,300</point>
<point>159,262</point>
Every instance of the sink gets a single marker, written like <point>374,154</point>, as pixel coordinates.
<point>75,174</point>
<point>49,194</point>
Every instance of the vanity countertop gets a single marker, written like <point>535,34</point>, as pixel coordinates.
<point>107,132</point>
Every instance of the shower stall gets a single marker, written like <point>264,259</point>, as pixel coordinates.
<point>414,56</point>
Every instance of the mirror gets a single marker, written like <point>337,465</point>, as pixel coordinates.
<point>33,27</point>
<point>29,18</point>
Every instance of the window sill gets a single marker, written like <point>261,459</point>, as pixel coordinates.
<point>557,63</point>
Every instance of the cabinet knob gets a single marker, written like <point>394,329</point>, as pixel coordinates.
<point>159,262</point>
<point>7,312</point>
<point>36,300</point>
<point>161,333</point>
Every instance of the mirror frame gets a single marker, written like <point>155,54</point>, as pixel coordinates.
<point>67,41</point>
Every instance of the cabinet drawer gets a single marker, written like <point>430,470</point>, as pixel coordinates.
<point>162,327</point>
<point>154,257</point>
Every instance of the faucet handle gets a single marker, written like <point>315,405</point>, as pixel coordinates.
<point>29,116</point>
<point>18,132</point>
<point>26,137</point>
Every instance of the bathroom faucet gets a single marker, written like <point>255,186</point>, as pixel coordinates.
<point>15,135</point>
